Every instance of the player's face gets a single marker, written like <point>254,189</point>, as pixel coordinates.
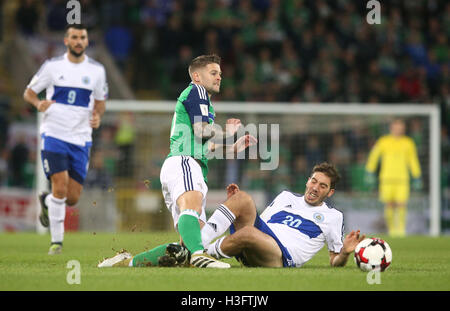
<point>210,77</point>
<point>318,189</point>
<point>398,128</point>
<point>76,41</point>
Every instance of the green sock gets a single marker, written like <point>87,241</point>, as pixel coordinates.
<point>149,258</point>
<point>189,230</point>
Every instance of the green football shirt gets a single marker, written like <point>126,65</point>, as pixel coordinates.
<point>193,105</point>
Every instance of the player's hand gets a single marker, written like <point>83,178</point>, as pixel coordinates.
<point>43,105</point>
<point>232,126</point>
<point>351,240</point>
<point>417,184</point>
<point>95,120</point>
<point>370,180</point>
<point>232,189</point>
<point>244,142</point>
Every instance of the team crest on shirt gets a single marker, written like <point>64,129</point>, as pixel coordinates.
<point>85,80</point>
<point>318,217</point>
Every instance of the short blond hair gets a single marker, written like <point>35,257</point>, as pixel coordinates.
<point>202,61</point>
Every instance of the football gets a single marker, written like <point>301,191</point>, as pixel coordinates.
<point>373,254</point>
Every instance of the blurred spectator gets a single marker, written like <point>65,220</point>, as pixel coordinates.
<point>119,41</point>
<point>291,51</point>
<point>27,17</point>
<point>253,177</point>
<point>408,83</point>
<point>18,159</point>
<point>357,172</point>
<point>89,14</point>
<point>98,176</point>
<point>299,174</point>
<point>3,167</point>
<point>313,151</point>
<point>56,15</point>
<point>156,11</point>
<point>5,107</point>
<point>125,138</point>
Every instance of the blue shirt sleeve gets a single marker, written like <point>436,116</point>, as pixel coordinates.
<point>197,104</point>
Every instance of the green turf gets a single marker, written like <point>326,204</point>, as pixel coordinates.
<point>419,263</point>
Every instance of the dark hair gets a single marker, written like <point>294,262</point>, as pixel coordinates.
<point>202,61</point>
<point>330,171</point>
<point>75,26</point>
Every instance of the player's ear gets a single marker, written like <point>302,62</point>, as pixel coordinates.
<point>330,193</point>
<point>196,76</point>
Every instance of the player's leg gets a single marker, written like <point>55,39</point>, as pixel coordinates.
<point>239,209</point>
<point>400,209</point>
<point>389,216</point>
<point>386,198</point>
<point>56,204</point>
<point>258,249</point>
<point>184,191</point>
<point>73,192</point>
<point>55,161</point>
<point>66,186</point>
<point>79,164</point>
<point>166,255</point>
<point>190,206</point>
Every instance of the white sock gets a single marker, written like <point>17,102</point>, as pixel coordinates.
<point>56,215</point>
<point>217,224</point>
<point>215,249</point>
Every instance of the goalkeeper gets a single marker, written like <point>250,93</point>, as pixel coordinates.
<point>398,157</point>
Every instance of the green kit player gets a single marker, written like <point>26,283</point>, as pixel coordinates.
<point>184,172</point>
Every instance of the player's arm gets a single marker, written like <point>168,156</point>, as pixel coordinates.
<point>40,81</point>
<point>100,95</point>
<point>206,131</point>
<point>31,97</point>
<point>374,156</point>
<point>97,113</point>
<point>350,242</point>
<point>372,163</point>
<point>413,160</point>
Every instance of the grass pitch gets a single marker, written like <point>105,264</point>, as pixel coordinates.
<point>419,263</point>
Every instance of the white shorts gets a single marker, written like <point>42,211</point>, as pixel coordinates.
<point>180,174</point>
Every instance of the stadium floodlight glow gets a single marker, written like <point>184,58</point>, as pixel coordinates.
<point>284,110</point>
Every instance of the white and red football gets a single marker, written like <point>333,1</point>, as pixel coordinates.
<point>373,254</point>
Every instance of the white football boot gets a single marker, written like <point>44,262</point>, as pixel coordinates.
<point>120,259</point>
<point>203,260</point>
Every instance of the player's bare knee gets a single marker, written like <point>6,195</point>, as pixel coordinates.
<point>59,190</point>
<point>71,201</point>
<point>190,200</point>
<point>244,204</point>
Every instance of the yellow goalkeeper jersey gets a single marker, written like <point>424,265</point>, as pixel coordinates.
<point>398,157</point>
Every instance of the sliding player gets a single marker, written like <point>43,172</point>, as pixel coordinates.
<point>291,230</point>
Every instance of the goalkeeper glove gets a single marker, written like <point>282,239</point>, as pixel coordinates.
<point>417,184</point>
<point>370,180</point>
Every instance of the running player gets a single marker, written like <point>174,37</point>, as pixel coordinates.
<point>76,93</point>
